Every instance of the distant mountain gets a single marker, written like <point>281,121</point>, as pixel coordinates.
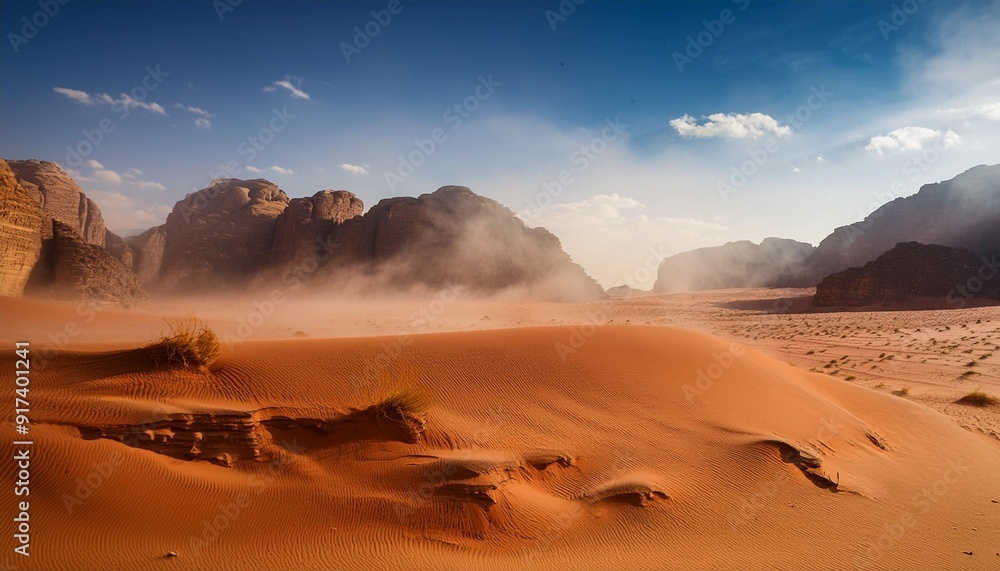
<point>909,271</point>
<point>963,212</point>
<point>734,265</point>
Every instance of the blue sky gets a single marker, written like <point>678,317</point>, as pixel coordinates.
<point>672,125</point>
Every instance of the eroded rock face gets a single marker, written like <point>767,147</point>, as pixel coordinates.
<point>61,199</point>
<point>308,221</point>
<point>908,271</point>
<point>217,234</point>
<point>72,270</point>
<point>20,233</point>
<point>733,265</point>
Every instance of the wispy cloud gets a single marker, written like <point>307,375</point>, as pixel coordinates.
<point>95,172</point>
<point>288,84</point>
<point>730,126</point>
<point>281,170</point>
<point>124,100</point>
<point>356,170</point>
<point>76,95</point>
<point>253,169</point>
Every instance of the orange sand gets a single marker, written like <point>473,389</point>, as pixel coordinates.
<point>571,446</point>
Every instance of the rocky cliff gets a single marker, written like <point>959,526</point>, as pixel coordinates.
<point>61,199</point>
<point>20,233</point>
<point>963,212</point>
<point>908,271</point>
<point>734,265</point>
<point>70,269</point>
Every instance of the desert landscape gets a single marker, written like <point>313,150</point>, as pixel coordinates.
<point>277,372</point>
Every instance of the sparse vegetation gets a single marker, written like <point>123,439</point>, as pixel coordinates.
<point>978,398</point>
<point>902,392</point>
<point>971,364</point>
<point>190,343</point>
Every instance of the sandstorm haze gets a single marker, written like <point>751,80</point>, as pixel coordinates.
<point>495,285</point>
<point>845,108</point>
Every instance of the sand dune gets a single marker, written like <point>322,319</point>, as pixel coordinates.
<point>644,448</point>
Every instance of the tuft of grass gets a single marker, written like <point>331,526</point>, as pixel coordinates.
<point>190,343</point>
<point>902,392</point>
<point>397,397</point>
<point>978,398</point>
<point>849,378</point>
<point>971,364</point>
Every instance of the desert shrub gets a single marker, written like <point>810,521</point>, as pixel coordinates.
<point>189,343</point>
<point>978,398</point>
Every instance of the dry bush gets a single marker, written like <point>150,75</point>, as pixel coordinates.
<point>978,398</point>
<point>190,343</point>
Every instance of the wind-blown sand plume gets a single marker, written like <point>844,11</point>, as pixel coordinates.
<point>646,448</point>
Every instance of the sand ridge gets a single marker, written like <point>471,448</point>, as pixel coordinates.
<point>526,459</point>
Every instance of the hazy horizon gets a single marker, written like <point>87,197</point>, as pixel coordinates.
<point>838,106</point>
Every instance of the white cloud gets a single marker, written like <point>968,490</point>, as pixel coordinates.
<point>125,100</point>
<point>202,123</point>
<point>193,109</point>
<point>126,215</point>
<point>820,159</point>
<point>128,102</point>
<point>796,169</point>
<point>106,175</point>
<point>292,88</point>
<point>97,173</point>
<point>281,170</point>
<point>254,170</point>
<point>76,95</point>
<point>911,139</point>
<point>730,126</point>
<point>355,169</point>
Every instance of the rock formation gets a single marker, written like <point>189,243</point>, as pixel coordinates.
<point>308,221</point>
<point>213,236</point>
<point>61,198</point>
<point>72,270</point>
<point>454,236</point>
<point>734,265</point>
<point>240,232</point>
<point>20,233</point>
<point>908,271</point>
<point>963,212</point>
